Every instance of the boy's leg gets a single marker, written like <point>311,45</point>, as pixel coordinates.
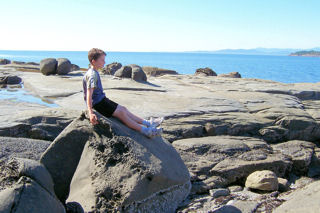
<point>134,117</point>
<point>121,113</point>
<point>155,122</point>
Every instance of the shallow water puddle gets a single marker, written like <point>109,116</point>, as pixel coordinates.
<point>17,93</point>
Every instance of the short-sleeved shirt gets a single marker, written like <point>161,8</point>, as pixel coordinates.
<point>91,79</point>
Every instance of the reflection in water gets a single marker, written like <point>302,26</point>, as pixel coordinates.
<point>17,93</point>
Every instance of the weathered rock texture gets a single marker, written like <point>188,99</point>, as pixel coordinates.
<point>110,166</point>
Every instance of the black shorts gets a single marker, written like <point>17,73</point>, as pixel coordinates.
<point>106,107</point>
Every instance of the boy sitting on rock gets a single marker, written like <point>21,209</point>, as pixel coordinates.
<point>96,99</point>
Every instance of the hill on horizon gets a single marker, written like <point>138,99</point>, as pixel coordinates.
<point>258,51</point>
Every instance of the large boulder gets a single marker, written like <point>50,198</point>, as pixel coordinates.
<point>63,66</point>
<point>4,61</point>
<point>110,166</point>
<point>28,196</point>
<point>124,72</point>
<point>33,191</point>
<point>205,71</point>
<point>155,71</point>
<point>48,66</point>
<point>74,67</point>
<point>138,74</point>
<point>16,167</point>
<point>110,69</point>
<point>19,148</point>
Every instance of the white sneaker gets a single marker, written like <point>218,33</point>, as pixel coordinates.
<point>153,132</point>
<point>155,122</point>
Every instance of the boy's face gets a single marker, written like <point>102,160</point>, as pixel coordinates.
<point>99,63</point>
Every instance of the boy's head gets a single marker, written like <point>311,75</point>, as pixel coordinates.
<point>97,57</point>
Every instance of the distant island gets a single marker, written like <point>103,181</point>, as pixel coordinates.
<point>256,51</point>
<point>310,53</point>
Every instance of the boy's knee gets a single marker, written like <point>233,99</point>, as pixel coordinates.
<point>121,110</point>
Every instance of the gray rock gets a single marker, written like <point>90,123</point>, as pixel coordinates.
<point>28,196</point>
<point>14,168</point>
<point>264,180</point>
<point>37,133</point>
<point>205,71</point>
<point>302,200</point>
<point>68,145</point>
<point>124,72</point>
<point>160,179</point>
<point>44,124</point>
<point>74,67</point>
<point>203,186</point>
<point>32,63</point>
<point>228,160</point>
<point>215,193</point>
<point>235,188</point>
<point>228,209</point>
<point>48,66</point>
<point>314,168</point>
<point>24,67</point>
<point>301,153</point>
<point>36,171</point>
<point>283,185</point>
<point>239,107</point>
<point>110,69</point>
<point>63,66</point>
<point>17,62</point>
<point>4,61</point>
<point>273,134</point>
<point>230,157</point>
<point>9,173</point>
<point>138,74</point>
<point>13,80</point>
<point>230,75</point>
<point>246,194</point>
<point>244,206</point>
<point>299,182</point>
<point>22,148</point>
<point>120,168</point>
<point>155,71</point>
<point>300,128</point>
<point>10,79</point>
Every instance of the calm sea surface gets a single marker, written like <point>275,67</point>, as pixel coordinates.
<point>278,68</point>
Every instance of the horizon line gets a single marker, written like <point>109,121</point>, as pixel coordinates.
<point>182,51</point>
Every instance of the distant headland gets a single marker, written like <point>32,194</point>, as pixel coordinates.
<point>310,53</point>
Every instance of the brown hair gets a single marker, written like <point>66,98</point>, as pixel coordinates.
<point>95,53</point>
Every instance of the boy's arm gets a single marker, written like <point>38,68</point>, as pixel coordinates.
<point>93,117</point>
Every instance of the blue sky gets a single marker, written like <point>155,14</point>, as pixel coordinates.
<point>149,25</point>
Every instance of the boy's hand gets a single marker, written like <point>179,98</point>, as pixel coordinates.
<point>93,118</point>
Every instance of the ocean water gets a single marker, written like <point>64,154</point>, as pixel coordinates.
<point>286,69</point>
